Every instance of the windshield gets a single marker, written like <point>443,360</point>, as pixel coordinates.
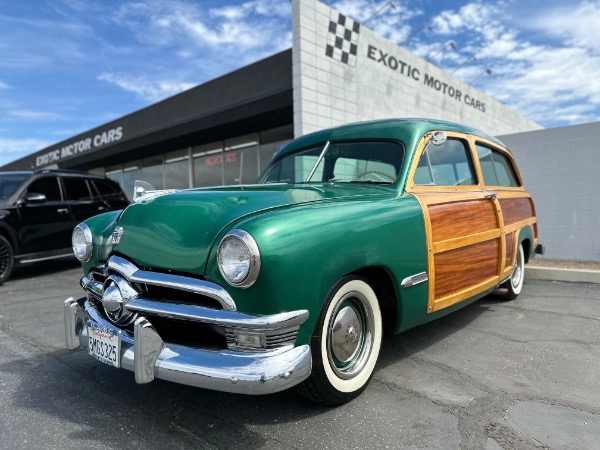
<point>9,183</point>
<point>350,162</point>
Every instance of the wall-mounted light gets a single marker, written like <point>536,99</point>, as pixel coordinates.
<point>485,72</point>
<point>422,27</point>
<point>389,3</point>
<point>449,44</point>
<point>470,57</point>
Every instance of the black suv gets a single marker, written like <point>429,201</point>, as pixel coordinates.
<point>38,211</point>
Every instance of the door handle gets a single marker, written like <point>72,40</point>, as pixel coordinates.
<point>62,210</point>
<point>491,195</point>
<point>101,208</point>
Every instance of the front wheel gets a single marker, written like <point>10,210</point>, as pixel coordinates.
<point>514,284</point>
<point>7,259</point>
<point>345,344</point>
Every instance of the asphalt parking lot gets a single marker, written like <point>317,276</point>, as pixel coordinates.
<point>512,375</point>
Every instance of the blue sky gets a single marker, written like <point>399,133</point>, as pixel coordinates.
<point>69,65</point>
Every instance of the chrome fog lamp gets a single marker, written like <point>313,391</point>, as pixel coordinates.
<point>239,259</point>
<point>82,242</point>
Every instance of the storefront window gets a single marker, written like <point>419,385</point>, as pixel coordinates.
<point>177,167</point>
<point>131,172</point>
<point>208,164</point>
<point>152,171</point>
<point>268,151</point>
<point>115,173</point>
<point>239,160</point>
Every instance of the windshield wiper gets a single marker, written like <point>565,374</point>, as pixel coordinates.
<point>369,181</point>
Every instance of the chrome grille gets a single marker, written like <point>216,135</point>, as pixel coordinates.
<point>198,306</point>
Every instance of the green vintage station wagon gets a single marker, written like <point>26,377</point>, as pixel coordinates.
<point>350,233</point>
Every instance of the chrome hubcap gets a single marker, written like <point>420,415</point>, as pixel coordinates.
<point>350,336</point>
<point>346,334</point>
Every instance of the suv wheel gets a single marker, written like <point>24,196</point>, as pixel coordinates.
<point>7,259</point>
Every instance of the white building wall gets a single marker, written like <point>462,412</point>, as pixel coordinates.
<point>560,168</point>
<point>377,79</point>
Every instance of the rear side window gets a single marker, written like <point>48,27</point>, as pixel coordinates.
<point>47,186</point>
<point>77,189</point>
<point>448,164</point>
<point>106,190</point>
<point>496,167</point>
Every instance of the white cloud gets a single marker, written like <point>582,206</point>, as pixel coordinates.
<point>148,89</point>
<point>11,149</point>
<point>250,25</point>
<point>554,82</point>
<point>33,115</point>
<point>391,22</point>
<point>577,25</point>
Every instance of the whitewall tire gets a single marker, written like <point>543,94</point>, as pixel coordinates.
<point>514,285</point>
<point>345,344</point>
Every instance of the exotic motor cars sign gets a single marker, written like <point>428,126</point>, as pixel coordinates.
<point>85,144</point>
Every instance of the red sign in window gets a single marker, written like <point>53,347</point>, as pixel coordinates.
<point>217,160</point>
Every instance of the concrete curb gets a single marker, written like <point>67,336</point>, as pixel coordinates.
<point>558,274</point>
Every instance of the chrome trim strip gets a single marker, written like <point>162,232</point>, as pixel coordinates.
<point>135,275</point>
<point>46,258</point>
<point>238,372</point>
<point>414,280</point>
<point>229,319</point>
<point>194,313</point>
<point>93,287</point>
<point>314,169</point>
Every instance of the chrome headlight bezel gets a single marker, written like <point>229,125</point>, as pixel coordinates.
<point>87,243</point>
<point>249,244</point>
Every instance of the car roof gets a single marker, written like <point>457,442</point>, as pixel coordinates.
<point>63,172</point>
<point>408,131</point>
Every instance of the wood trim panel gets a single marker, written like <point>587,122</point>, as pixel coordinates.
<point>510,246</point>
<point>516,209</point>
<point>452,244</point>
<point>454,268</point>
<point>450,300</point>
<point>459,219</point>
<point>518,225</point>
<point>430,269</point>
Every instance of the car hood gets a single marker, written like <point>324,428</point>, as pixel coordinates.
<point>176,231</point>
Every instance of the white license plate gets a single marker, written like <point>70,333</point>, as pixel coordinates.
<point>104,343</point>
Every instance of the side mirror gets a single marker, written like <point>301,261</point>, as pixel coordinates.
<point>34,197</point>
<point>438,138</point>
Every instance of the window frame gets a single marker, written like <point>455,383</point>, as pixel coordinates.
<point>509,157</point>
<point>472,141</point>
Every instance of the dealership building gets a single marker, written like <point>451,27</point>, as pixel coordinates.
<point>226,130</point>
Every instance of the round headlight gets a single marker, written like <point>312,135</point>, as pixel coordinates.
<point>82,242</point>
<point>239,259</point>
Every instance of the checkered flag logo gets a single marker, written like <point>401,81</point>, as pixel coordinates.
<point>342,39</point>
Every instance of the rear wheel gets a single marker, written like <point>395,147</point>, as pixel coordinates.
<point>7,259</point>
<point>514,285</point>
<point>345,344</point>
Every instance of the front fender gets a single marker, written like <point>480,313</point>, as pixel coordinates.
<point>306,249</point>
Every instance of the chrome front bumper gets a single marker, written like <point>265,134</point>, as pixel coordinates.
<point>149,357</point>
